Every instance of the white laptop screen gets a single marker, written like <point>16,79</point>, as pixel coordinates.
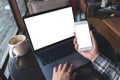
<point>51,27</point>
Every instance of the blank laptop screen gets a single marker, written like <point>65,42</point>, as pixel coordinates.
<point>51,27</point>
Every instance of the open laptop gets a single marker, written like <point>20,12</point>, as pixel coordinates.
<point>51,35</point>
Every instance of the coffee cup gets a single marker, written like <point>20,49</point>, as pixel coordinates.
<point>18,46</point>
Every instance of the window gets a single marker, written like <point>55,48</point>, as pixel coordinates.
<point>9,24</point>
<point>21,6</point>
<point>8,28</point>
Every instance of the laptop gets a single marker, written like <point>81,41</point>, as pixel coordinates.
<point>51,36</point>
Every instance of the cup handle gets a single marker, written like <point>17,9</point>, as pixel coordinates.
<point>12,53</point>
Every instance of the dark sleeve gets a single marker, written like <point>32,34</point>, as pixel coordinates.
<point>105,66</point>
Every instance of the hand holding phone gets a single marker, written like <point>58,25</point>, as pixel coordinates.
<point>83,35</point>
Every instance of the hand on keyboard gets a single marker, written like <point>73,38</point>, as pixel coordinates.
<point>63,72</point>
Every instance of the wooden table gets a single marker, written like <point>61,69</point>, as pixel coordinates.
<point>109,28</point>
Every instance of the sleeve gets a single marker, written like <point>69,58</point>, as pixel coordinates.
<point>105,66</point>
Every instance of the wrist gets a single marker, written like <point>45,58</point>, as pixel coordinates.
<point>94,56</point>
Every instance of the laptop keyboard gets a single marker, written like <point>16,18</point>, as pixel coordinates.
<point>56,51</point>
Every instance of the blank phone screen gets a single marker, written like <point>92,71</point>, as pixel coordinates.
<point>83,35</point>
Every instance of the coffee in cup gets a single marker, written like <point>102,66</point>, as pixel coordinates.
<point>18,46</point>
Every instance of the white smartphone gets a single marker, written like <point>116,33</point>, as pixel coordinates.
<point>83,35</point>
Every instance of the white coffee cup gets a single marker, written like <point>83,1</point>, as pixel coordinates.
<point>18,46</point>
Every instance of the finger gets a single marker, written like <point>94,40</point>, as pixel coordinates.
<point>93,39</point>
<point>60,67</point>
<point>75,41</point>
<point>74,34</point>
<point>75,44</point>
<point>76,47</point>
<point>55,69</point>
<point>65,66</point>
<point>70,68</point>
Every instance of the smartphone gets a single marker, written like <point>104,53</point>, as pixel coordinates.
<point>83,35</point>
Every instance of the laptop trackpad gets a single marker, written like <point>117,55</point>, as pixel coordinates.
<point>76,59</point>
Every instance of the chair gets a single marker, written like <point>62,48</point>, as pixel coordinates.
<point>39,6</point>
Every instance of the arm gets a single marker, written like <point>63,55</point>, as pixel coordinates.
<point>100,63</point>
<point>105,66</point>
